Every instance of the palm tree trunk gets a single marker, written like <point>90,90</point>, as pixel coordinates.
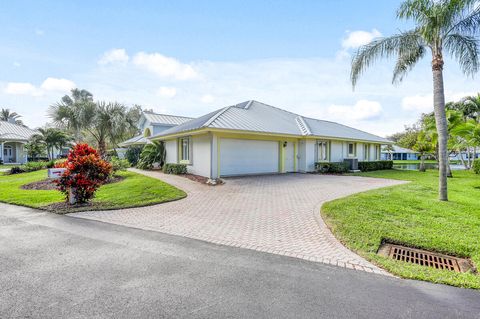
<point>441,123</point>
<point>102,148</point>
<point>422,163</point>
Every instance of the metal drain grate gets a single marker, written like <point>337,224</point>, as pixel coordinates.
<point>424,258</point>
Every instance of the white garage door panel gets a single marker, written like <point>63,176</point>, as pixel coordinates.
<point>239,157</point>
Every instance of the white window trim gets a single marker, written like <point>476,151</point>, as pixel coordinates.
<point>180,145</point>
<point>327,150</point>
<point>354,149</point>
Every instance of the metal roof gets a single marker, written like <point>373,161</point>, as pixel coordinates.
<point>255,116</point>
<point>10,132</point>
<point>156,118</point>
<point>137,140</point>
<point>398,149</point>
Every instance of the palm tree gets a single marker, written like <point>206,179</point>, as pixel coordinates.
<point>423,146</point>
<point>441,26</point>
<point>35,146</point>
<point>470,107</point>
<point>54,139</point>
<point>68,113</point>
<point>9,116</point>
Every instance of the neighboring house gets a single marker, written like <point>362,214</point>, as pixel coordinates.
<point>151,124</point>
<point>13,138</point>
<point>255,138</point>
<point>400,154</point>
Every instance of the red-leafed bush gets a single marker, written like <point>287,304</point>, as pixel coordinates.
<point>85,173</point>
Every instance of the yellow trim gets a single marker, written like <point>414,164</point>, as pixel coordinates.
<point>281,161</point>
<point>295,156</point>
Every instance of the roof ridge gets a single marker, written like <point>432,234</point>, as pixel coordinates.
<point>302,125</point>
<point>164,114</point>
<point>215,116</point>
<point>277,108</point>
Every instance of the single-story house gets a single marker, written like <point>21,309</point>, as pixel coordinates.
<point>400,154</point>
<point>256,138</point>
<point>153,123</point>
<point>13,138</point>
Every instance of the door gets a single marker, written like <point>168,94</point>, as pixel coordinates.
<point>290,157</point>
<point>244,157</point>
<point>7,154</point>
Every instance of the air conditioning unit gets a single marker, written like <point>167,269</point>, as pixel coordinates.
<point>352,163</point>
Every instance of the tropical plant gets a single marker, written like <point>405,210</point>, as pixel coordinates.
<point>54,139</point>
<point>440,26</point>
<point>118,164</point>
<point>85,173</point>
<point>133,154</point>
<point>35,146</point>
<point>470,107</point>
<point>9,116</point>
<point>424,147</point>
<point>389,149</point>
<point>153,153</point>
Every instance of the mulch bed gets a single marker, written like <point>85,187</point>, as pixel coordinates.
<point>49,184</point>
<point>200,179</point>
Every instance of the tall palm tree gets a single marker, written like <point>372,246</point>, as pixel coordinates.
<point>470,107</point>
<point>441,26</point>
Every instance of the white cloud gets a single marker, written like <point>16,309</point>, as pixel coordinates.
<point>58,85</point>
<point>39,32</point>
<point>167,92</point>
<point>207,99</point>
<point>22,88</point>
<point>363,110</point>
<point>164,66</point>
<point>355,39</point>
<point>16,64</point>
<point>114,56</point>
<point>418,103</point>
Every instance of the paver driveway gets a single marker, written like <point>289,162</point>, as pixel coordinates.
<point>274,213</point>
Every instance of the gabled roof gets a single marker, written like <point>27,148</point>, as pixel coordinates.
<point>155,118</point>
<point>13,132</point>
<point>255,116</point>
<point>136,140</point>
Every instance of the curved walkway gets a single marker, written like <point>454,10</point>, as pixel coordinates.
<point>273,213</point>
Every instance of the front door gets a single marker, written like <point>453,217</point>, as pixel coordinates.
<point>290,157</point>
<point>7,154</point>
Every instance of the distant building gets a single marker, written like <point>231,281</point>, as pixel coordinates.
<point>13,138</point>
<point>400,154</point>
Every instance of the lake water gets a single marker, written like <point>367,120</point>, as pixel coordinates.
<point>414,167</point>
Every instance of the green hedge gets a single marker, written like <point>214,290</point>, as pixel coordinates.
<point>172,168</point>
<point>375,166</point>
<point>331,168</point>
<point>476,166</point>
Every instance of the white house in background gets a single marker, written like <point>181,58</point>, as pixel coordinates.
<point>400,154</point>
<point>13,138</point>
<point>151,124</point>
<point>255,138</point>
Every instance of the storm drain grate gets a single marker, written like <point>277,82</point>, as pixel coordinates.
<point>424,258</point>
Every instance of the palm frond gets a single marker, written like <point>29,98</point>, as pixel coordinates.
<point>406,62</point>
<point>465,49</point>
<point>468,23</point>
<point>382,48</point>
<point>417,10</point>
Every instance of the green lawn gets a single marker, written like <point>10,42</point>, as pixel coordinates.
<point>412,215</point>
<point>414,162</point>
<point>134,190</point>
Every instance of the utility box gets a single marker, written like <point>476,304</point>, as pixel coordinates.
<point>55,173</point>
<point>352,163</point>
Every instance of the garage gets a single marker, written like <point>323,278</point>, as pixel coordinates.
<point>242,157</point>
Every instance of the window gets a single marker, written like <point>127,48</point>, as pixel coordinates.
<point>323,151</point>
<point>352,149</point>
<point>366,152</point>
<point>7,151</point>
<point>185,149</point>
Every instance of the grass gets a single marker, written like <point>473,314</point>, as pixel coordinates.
<point>133,191</point>
<point>413,162</point>
<point>410,214</point>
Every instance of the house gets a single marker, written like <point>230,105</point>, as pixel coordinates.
<point>153,123</point>
<point>256,138</point>
<point>400,154</point>
<point>13,138</point>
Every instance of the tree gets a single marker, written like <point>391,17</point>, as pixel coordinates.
<point>35,146</point>
<point>54,139</point>
<point>9,116</point>
<point>407,138</point>
<point>440,26</point>
<point>423,146</point>
<point>470,107</point>
<point>151,154</point>
<point>389,149</point>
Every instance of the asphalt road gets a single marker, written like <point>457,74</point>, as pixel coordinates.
<point>56,266</point>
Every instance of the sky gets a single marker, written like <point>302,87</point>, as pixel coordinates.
<point>192,57</point>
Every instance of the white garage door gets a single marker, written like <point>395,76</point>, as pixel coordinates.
<point>241,157</point>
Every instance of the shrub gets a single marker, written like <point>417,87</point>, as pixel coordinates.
<point>1,161</point>
<point>16,170</point>
<point>85,173</point>
<point>119,164</point>
<point>476,166</point>
<point>133,154</point>
<point>176,169</point>
<point>331,168</point>
<point>375,165</point>
<point>151,154</point>
<point>34,166</point>
<point>50,164</point>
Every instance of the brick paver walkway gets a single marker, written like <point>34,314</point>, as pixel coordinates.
<point>274,213</point>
